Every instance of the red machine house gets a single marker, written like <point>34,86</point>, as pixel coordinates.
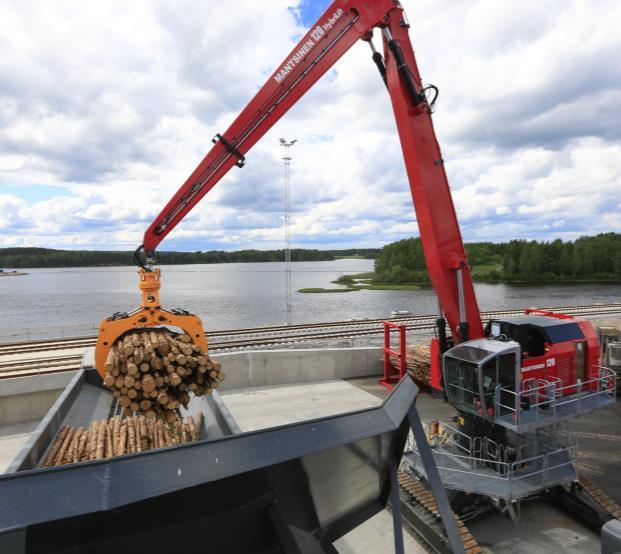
<point>528,372</point>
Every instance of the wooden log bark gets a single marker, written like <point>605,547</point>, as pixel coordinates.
<point>109,449</point>
<point>137,434</point>
<point>58,442</point>
<point>131,436</point>
<point>60,455</point>
<point>75,456</point>
<point>116,436</point>
<point>92,441</point>
<point>132,369</point>
<point>192,429</point>
<point>101,440</point>
<point>124,401</point>
<point>163,368</point>
<point>109,363</point>
<point>163,347</point>
<point>128,347</point>
<point>145,441</point>
<point>82,446</point>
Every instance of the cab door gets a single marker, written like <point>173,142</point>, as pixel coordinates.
<point>506,380</point>
<point>579,360</point>
<point>499,371</point>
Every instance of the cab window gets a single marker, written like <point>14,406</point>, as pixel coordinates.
<point>461,381</point>
<point>489,382</point>
<point>534,345</point>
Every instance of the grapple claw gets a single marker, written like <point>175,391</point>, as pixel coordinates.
<point>150,314</point>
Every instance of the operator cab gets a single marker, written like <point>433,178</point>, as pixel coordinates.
<point>473,370</point>
<point>529,372</point>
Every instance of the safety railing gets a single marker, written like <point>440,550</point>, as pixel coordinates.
<point>439,433</point>
<point>392,374</point>
<point>497,471</point>
<point>541,400</point>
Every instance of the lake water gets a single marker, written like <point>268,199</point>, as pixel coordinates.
<point>231,296</point>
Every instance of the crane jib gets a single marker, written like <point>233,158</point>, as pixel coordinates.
<point>232,146</point>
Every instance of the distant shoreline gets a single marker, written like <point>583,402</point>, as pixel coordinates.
<point>362,281</point>
<point>369,281</point>
<point>47,257</point>
<point>12,273</point>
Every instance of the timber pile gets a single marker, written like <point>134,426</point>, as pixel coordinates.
<point>117,436</point>
<point>154,372</point>
<point>417,362</point>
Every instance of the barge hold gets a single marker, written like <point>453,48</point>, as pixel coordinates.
<point>277,483</point>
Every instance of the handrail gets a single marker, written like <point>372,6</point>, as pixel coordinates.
<point>548,396</point>
<point>529,468</point>
<point>440,434</point>
<point>393,375</point>
<point>512,469</point>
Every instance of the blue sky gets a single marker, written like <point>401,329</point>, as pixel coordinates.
<point>105,111</point>
<point>33,193</point>
<point>310,10</point>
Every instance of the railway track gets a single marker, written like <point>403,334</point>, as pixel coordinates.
<point>257,337</point>
<point>423,515</point>
<point>421,512</point>
<point>303,329</point>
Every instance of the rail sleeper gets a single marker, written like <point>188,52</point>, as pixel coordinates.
<point>424,497</point>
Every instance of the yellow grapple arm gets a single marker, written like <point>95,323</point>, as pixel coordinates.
<point>150,314</point>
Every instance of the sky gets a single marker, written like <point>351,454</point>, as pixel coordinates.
<point>107,107</point>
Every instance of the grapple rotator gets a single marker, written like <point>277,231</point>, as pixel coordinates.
<point>150,314</point>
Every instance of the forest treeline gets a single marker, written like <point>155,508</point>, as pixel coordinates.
<point>596,258</point>
<point>47,257</point>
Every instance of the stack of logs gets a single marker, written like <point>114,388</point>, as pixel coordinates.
<point>116,436</point>
<point>154,372</point>
<point>418,362</point>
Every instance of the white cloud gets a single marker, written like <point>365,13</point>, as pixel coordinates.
<point>117,103</point>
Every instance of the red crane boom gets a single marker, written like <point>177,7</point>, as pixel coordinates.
<point>341,25</point>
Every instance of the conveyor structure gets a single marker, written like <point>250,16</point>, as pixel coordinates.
<point>294,488</point>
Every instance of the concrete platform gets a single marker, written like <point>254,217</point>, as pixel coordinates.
<point>261,407</point>
<point>375,536</point>
<point>542,529</point>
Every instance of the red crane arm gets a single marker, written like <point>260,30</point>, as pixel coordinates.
<point>443,247</point>
<point>341,25</point>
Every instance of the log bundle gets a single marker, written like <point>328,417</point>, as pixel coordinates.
<point>418,362</point>
<point>154,372</point>
<point>117,436</point>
